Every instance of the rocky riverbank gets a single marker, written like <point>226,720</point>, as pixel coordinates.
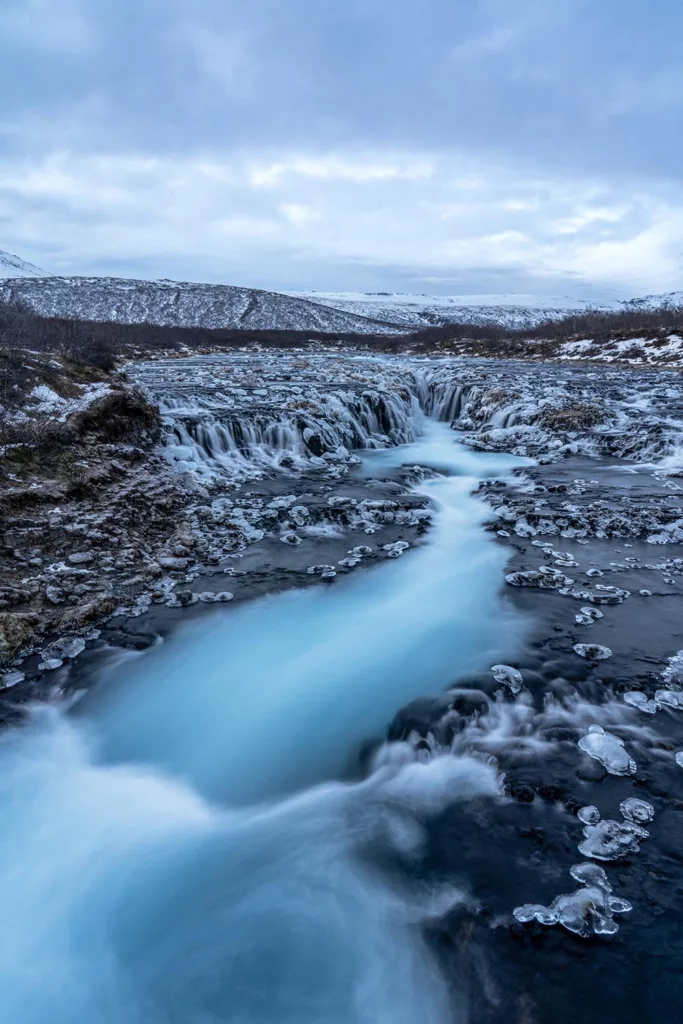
<point>102,519</point>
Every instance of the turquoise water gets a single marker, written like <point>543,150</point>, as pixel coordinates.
<point>181,850</point>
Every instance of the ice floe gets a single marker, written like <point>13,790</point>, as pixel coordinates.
<point>609,750</point>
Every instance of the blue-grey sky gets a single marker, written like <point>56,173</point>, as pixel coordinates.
<point>442,146</point>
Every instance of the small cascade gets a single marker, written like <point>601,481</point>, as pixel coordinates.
<point>235,418</point>
<point>223,419</point>
<point>211,440</point>
<point>444,400</point>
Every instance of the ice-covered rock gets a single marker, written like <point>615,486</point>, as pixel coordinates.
<point>637,699</point>
<point>50,664</point>
<point>12,678</point>
<point>535,912</point>
<point>69,647</point>
<point>508,675</point>
<point>593,652</point>
<point>669,699</point>
<point>587,911</point>
<point>637,810</point>
<point>673,673</point>
<point>589,873</point>
<point>609,750</point>
<point>326,572</point>
<point>396,549</point>
<point>610,840</point>
<point>589,815</point>
<point>537,578</point>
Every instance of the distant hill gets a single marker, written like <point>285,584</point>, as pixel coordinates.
<point>182,304</point>
<point>418,311</point>
<point>14,266</point>
<point>218,306</point>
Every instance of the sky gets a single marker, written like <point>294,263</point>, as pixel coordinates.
<point>440,146</point>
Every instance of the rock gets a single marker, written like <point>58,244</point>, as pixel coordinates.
<point>396,549</point>
<point>50,664</point>
<point>521,792</point>
<point>80,558</point>
<point>173,563</point>
<point>55,595</point>
<point>512,677</point>
<point>17,630</point>
<point>673,673</point>
<point>10,679</point>
<point>103,604</point>
<point>545,579</point>
<point>326,572</point>
<point>593,652</point>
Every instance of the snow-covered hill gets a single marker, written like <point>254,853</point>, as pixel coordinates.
<point>182,304</point>
<point>417,311</point>
<point>14,266</point>
<point>671,299</point>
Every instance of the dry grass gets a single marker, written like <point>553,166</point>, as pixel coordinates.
<point>579,416</point>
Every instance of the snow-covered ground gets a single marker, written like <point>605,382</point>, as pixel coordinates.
<point>417,311</point>
<point>14,266</point>
<point>655,351</point>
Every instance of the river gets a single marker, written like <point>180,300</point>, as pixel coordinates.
<point>192,843</point>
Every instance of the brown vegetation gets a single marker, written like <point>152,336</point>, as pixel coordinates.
<point>578,416</point>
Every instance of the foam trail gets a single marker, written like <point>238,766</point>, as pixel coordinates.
<point>272,696</point>
<point>126,899</point>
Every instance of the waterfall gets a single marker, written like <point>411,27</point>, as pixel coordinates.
<point>236,418</point>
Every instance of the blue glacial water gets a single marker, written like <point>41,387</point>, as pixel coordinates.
<point>182,850</point>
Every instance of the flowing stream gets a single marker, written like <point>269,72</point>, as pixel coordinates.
<point>186,847</point>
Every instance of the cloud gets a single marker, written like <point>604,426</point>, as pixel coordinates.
<point>229,59</point>
<point>339,168</point>
<point>215,215</point>
<point>58,26</point>
<point>486,44</point>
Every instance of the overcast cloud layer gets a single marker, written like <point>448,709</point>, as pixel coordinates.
<point>444,146</point>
